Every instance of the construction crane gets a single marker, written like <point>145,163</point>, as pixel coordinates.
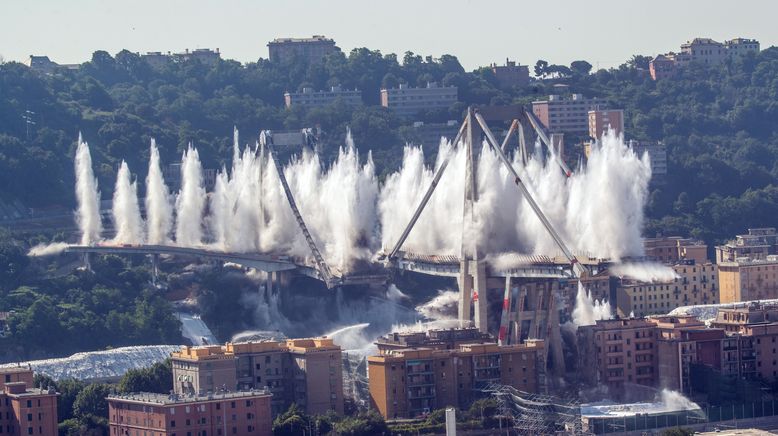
<point>266,141</point>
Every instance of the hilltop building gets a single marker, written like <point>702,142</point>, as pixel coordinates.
<point>310,98</point>
<point>702,50</point>
<point>44,65</point>
<point>221,413</point>
<point>510,74</point>
<point>307,372</point>
<point>25,409</point>
<point>205,56</point>
<point>566,113</point>
<point>312,49</point>
<point>408,102</point>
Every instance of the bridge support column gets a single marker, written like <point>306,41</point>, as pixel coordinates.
<point>480,300</point>
<point>87,262</point>
<point>465,281</point>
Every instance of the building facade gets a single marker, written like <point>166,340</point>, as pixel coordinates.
<point>746,279</point>
<point>673,249</point>
<point>307,372</point>
<point>701,50</point>
<point>311,50</point>
<point>24,409</point>
<point>757,245</point>
<point>408,102</point>
<point>511,74</point>
<point>602,120</point>
<point>310,98</point>
<point>696,283</point>
<point>218,414</point>
<point>409,382</point>
<point>566,114</point>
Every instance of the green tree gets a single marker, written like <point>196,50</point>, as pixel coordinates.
<point>91,401</point>
<point>156,378</point>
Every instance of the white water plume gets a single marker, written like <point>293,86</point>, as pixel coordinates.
<point>126,212</point>
<point>190,201</point>
<point>647,272</point>
<point>47,249</point>
<point>674,400</point>
<point>598,210</point>
<point>87,195</point>
<point>588,310</point>
<point>159,212</point>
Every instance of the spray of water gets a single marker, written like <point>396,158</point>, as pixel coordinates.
<point>126,212</point>
<point>190,201</point>
<point>87,195</point>
<point>588,310</point>
<point>159,212</point>
<point>648,272</point>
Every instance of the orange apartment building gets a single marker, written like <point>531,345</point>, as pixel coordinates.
<point>307,372</point>
<point>695,284</point>
<point>25,410</point>
<point>601,120</point>
<point>748,279</point>
<point>224,413</point>
<point>409,382</point>
<point>672,249</point>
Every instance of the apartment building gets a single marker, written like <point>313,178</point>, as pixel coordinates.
<point>510,74</point>
<point>673,249</point>
<point>217,414</point>
<point>746,279</point>
<point>602,120</point>
<point>702,50</point>
<point>429,134</point>
<point>408,382</point>
<point>435,339</point>
<point>407,102</point>
<point>696,283</point>
<point>757,244</point>
<point>310,98</point>
<point>24,409</point>
<point>566,113</point>
<point>307,372</point>
<point>312,50</point>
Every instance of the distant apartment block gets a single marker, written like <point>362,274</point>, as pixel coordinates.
<point>756,244</point>
<point>702,50</point>
<point>216,414</point>
<point>25,409</point>
<point>408,102</point>
<point>602,120</point>
<point>657,153</point>
<point>696,283</point>
<point>205,56</point>
<point>44,65</point>
<point>410,382</point>
<point>307,372</point>
<point>172,175</point>
<point>429,134</point>
<point>510,74</point>
<point>312,50</point>
<point>566,113</point>
<point>310,98</point>
<point>673,249</point>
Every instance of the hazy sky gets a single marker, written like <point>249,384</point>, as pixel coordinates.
<point>604,32</point>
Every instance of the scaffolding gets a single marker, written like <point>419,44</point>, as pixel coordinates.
<point>537,414</point>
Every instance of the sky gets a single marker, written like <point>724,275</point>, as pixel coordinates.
<point>604,32</point>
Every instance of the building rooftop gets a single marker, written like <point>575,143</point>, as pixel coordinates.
<point>229,350</point>
<point>173,399</point>
<point>314,38</point>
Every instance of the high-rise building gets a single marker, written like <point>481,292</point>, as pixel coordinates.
<point>510,74</point>
<point>217,414</point>
<point>310,98</point>
<point>408,382</point>
<point>602,120</point>
<point>312,50</point>
<point>566,114</point>
<point>25,409</point>
<point>307,372</point>
<point>408,102</point>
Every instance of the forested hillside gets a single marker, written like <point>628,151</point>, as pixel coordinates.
<point>719,123</point>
